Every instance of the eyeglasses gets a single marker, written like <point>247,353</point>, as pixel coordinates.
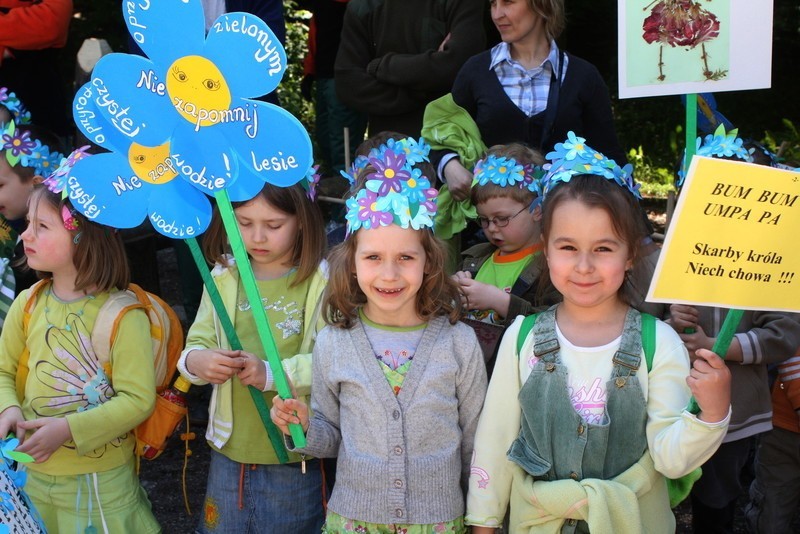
<point>499,222</point>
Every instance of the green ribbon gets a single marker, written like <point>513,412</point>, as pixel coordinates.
<point>260,316</point>
<point>275,435</point>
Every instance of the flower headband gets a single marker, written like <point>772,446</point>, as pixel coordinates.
<point>415,151</point>
<point>396,193</point>
<point>20,148</point>
<point>574,156</point>
<point>57,183</point>
<point>311,182</point>
<point>506,172</point>
<point>720,144</point>
<point>19,113</point>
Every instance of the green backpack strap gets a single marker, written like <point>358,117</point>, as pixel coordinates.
<point>648,339</point>
<point>524,330</point>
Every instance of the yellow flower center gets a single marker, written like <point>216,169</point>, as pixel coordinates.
<point>389,173</point>
<point>373,206</point>
<point>412,183</point>
<point>501,170</point>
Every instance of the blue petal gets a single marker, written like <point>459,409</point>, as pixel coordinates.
<point>120,85</point>
<point>105,190</point>
<point>93,125</point>
<point>246,185</point>
<point>166,29</point>
<point>180,212</point>
<point>247,53</point>
<point>204,157</point>
<point>275,145</point>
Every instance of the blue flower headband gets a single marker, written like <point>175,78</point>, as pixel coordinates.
<point>20,148</point>
<point>720,144</point>
<point>506,172</point>
<point>574,157</point>
<point>14,105</point>
<point>395,193</point>
<point>415,151</point>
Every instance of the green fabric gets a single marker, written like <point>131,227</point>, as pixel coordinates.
<point>336,524</point>
<point>448,126</point>
<point>524,330</point>
<point>64,501</point>
<point>100,418</point>
<point>285,313</point>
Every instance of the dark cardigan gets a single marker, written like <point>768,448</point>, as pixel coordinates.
<point>584,107</point>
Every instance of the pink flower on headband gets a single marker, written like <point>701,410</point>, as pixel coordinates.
<point>70,221</point>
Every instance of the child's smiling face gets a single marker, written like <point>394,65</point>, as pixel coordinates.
<point>587,260</point>
<point>390,266</point>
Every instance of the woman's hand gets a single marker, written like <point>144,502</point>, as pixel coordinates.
<point>49,433</point>
<point>289,411</point>
<point>458,179</point>
<point>215,366</point>
<point>710,382</point>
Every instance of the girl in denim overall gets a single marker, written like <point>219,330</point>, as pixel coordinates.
<point>576,435</point>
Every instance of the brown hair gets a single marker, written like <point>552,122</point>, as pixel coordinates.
<point>523,155</point>
<point>596,192</point>
<point>438,294</point>
<point>552,12</point>
<point>99,254</point>
<point>310,241</point>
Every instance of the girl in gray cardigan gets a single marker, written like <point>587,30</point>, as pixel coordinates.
<point>398,383</point>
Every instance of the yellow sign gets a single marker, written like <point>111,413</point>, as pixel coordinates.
<point>734,241</point>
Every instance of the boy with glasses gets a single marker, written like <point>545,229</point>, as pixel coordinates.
<point>498,278</point>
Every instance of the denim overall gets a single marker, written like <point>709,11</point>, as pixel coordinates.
<point>555,442</point>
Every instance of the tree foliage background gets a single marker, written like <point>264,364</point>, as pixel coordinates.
<point>650,127</point>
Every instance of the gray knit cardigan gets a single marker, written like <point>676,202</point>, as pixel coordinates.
<point>403,458</point>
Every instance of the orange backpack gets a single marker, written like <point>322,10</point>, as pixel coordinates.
<point>166,334</point>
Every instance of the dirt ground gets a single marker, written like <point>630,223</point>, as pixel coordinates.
<point>162,477</point>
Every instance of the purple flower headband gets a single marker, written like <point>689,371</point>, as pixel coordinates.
<point>20,148</point>
<point>396,193</point>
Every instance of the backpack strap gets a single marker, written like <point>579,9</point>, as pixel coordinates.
<point>105,328</point>
<point>524,330</point>
<point>649,339</point>
<point>27,311</point>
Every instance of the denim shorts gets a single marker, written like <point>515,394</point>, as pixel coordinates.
<point>277,499</point>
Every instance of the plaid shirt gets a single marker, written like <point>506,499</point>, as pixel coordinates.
<point>527,89</point>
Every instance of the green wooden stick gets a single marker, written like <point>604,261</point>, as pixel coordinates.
<point>275,435</point>
<point>721,345</point>
<point>259,315</point>
<point>691,148</point>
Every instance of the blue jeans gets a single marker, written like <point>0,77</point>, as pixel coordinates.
<point>275,499</point>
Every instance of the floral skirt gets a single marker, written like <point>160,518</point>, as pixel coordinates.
<point>336,524</point>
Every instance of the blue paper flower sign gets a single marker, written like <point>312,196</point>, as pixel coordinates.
<point>192,98</point>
